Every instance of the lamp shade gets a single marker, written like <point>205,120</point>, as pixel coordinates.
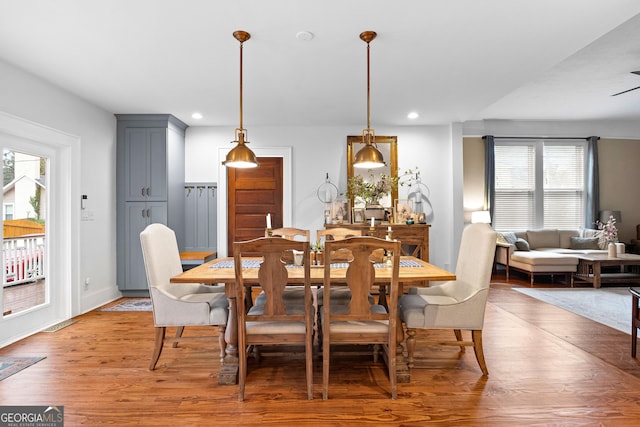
<point>241,157</point>
<point>604,215</point>
<point>481,216</point>
<point>369,157</point>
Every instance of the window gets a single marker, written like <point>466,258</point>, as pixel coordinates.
<point>8,211</point>
<point>539,184</point>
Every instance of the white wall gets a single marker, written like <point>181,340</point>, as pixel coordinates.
<point>321,150</point>
<point>94,242</point>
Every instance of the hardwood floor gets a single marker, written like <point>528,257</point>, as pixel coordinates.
<point>546,367</point>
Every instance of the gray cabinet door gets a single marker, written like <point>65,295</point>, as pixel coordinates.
<point>146,164</point>
<point>138,216</point>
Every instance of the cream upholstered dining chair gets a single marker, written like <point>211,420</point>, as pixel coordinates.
<point>359,321</point>
<point>273,322</point>
<point>179,305</point>
<point>458,304</point>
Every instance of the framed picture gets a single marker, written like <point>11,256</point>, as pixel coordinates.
<point>340,211</point>
<point>358,216</point>
<point>403,210</point>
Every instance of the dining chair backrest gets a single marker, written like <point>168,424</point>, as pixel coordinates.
<point>359,321</point>
<point>337,233</point>
<point>161,255</point>
<point>292,233</point>
<point>273,322</point>
<point>475,256</point>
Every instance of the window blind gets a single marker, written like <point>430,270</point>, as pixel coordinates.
<point>539,184</point>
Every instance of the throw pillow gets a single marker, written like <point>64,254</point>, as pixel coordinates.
<point>508,237</point>
<point>522,245</point>
<point>584,243</point>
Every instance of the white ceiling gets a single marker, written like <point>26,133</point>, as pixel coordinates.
<point>448,60</point>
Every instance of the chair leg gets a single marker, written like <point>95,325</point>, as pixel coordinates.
<point>157,349</point>
<point>309,363</point>
<point>458,334</point>
<point>325,368</point>
<point>477,347</point>
<point>222,342</point>
<point>411,346</point>
<point>179,332</point>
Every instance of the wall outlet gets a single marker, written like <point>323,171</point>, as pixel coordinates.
<point>87,280</point>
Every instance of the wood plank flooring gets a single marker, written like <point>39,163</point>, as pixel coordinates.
<point>546,367</point>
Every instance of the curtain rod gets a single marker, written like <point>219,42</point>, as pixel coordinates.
<point>541,137</point>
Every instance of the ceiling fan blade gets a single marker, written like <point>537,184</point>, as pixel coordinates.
<point>636,72</point>
<point>625,91</point>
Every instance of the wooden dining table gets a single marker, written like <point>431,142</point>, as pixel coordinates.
<point>414,272</point>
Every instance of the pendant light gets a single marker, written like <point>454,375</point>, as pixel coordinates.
<point>368,157</point>
<point>241,156</point>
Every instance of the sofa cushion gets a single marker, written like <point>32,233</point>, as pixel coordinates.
<point>584,243</point>
<point>547,238</point>
<point>544,258</point>
<point>522,245</point>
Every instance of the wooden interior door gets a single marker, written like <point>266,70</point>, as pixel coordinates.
<point>251,195</point>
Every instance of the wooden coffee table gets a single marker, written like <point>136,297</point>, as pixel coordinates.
<point>590,269</point>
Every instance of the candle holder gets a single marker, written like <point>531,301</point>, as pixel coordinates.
<point>268,232</point>
<point>372,231</point>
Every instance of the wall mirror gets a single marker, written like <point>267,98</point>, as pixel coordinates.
<point>388,146</point>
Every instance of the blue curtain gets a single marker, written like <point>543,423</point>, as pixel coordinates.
<point>593,183</point>
<point>489,174</point>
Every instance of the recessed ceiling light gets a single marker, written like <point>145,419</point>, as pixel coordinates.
<point>196,116</point>
<point>413,115</point>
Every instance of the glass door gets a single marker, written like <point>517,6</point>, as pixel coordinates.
<point>24,245</point>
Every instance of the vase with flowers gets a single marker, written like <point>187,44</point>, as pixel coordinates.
<point>371,190</point>
<point>609,229</point>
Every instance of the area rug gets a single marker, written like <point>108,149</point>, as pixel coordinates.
<point>609,306</point>
<point>11,365</point>
<point>138,304</point>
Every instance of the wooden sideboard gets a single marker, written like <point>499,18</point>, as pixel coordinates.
<point>414,237</point>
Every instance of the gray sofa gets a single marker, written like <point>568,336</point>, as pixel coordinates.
<point>547,251</point>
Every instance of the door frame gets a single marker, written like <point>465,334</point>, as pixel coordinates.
<point>287,195</point>
<point>63,230</point>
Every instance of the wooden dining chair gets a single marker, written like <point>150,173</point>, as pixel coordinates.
<point>293,294</point>
<point>459,304</point>
<point>360,321</point>
<point>337,233</point>
<point>273,322</point>
<point>340,295</point>
<point>292,233</point>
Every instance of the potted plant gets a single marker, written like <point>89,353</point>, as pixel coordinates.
<point>370,191</point>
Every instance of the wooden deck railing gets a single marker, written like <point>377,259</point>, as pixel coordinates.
<point>23,259</point>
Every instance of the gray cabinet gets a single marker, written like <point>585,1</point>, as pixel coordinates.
<point>150,189</point>
<point>145,164</point>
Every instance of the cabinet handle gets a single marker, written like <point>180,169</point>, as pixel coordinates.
<point>142,191</point>
<point>148,191</point>
<point>148,213</point>
<point>143,213</point>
